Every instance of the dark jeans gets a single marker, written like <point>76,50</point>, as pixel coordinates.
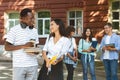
<point>70,70</point>
<point>111,67</point>
<point>88,64</point>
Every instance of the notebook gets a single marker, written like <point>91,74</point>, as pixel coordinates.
<point>112,45</point>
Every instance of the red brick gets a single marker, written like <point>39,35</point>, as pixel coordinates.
<point>94,11</point>
<point>95,2</point>
<point>96,7</point>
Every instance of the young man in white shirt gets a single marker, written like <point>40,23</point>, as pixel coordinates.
<point>18,38</point>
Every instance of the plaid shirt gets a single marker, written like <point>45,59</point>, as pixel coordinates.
<point>71,52</point>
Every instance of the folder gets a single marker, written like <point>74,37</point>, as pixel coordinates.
<point>112,45</point>
<point>94,44</point>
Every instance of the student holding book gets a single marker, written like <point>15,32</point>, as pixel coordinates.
<point>110,45</point>
<point>86,48</point>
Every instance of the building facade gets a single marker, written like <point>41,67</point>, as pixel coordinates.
<point>79,13</point>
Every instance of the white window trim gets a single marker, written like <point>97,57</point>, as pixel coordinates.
<point>44,35</point>
<point>6,20</point>
<point>110,17</point>
<point>76,35</point>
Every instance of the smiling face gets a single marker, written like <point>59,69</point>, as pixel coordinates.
<point>88,32</point>
<point>53,27</point>
<point>107,29</point>
<point>72,33</point>
<point>29,19</point>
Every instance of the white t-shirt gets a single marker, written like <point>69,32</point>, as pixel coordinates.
<point>19,36</point>
<point>61,47</point>
<point>106,53</point>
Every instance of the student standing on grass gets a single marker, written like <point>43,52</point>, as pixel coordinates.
<point>70,59</point>
<point>18,38</point>
<point>110,55</point>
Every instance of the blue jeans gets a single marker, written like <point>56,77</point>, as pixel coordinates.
<point>111,67</point>
<point>85,64</point>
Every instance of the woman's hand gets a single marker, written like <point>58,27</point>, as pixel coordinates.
<point>54,62</point>
<point>92,49</point>
<point>48,63</point>
<point>74,59</point>
<point>88,50</point>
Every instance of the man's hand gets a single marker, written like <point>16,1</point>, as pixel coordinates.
<point>108,48</point>
<point>104,48</point>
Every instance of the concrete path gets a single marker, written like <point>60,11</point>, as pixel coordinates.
<point>6,70</point>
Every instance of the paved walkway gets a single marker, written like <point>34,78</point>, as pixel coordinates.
<point>6,70</point>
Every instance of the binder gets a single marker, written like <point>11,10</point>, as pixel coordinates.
<point>94,44</point>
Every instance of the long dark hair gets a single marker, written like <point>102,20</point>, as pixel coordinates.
<point>61,27</point>
<point>84,36</point>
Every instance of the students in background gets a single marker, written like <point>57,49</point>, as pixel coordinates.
<point>71,57</point>
<point>18,38</point>
<point>57,44</point>
<point>110,45</point>
<point>87,54</point>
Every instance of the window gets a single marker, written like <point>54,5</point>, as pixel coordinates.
<point>43,22</point>
<point>13,19</point>
<point>116,14</point>
<point>75,19</point>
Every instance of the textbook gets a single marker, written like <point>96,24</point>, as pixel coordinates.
<point>34,50</point>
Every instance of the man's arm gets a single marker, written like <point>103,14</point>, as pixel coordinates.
<point>11,47</point>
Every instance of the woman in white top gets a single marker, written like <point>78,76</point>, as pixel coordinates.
<point>58,45</point>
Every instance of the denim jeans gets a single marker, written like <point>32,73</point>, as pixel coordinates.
<point>111,67</point>
<point>85,64</point>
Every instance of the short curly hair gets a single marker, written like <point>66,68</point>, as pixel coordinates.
<point>24,12</point>
<point>69,29</point>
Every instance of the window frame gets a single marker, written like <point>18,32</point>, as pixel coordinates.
<point>110,19</point>
<point>68,15</point>
<point>7,19</point>
<point>43,35</point>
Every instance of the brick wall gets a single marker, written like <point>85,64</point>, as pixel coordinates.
<point>95,11</point>
<point>95,14</point>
